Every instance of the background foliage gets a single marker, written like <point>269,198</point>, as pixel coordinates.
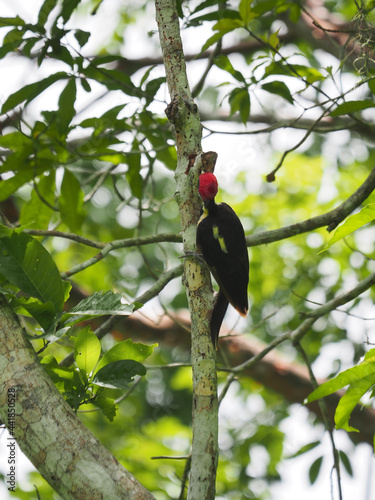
<point>285,93</point>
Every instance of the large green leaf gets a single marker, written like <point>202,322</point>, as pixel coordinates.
<point>31,91</point>
<point>25,263</point>
<point>351,224</point>
<point>350,399</point>
<point>360,379</point>
<point>99,304</point>
<point>119,374</point>
<point>71,202</point>
<point>126,350</point>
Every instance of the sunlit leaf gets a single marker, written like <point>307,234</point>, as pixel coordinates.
<point>86,350</point>
<point>43,312</point>
<point>127,349</point>
<point>350,399</point>
<point>351,224</point>
<point>347,377</point>
<point>107,406</point>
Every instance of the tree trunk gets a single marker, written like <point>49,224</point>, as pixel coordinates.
<point>64,451</point>
<point>182,112</point>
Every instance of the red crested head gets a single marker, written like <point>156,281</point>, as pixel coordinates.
<point>208,186</point>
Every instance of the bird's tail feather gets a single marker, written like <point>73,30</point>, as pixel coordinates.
<point>218,313</point>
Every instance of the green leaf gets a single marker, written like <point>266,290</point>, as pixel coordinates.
<point>44,313</point>
<point>351,224</point>
<point>351,398</point>
<point>86,350</point>
<point>245,11</point>
<point>224,63</point>
<point>126,350</point>
<point>9,186</point>
<point>31,91</point>
<point>45,10</point>
<point>71,202</point>
<point>239,100</point>
<point>346,462</point>
<point>82,37</point>
<point>133,175</point>
<point>66,110</point>
<point>119,374</point>
<point>214,16</point>
<point>99,304</point>
<point>11,21</point>
<point>113,79</point>
<point>352,107</point>
<point>68,8</point>
<point>152,87</point>
<point>35,212</point>
<point>107,406</point>
<point>278,88</point>
<point>223,26</point>
<point>25,263</point>
<point>85,84</point>
<point>371,85</point>
<point>347,377</point>
<point>315,469</point>
<point>305,449</point>
<point>310,74</point>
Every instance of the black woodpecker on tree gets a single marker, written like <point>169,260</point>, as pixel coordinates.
<point>221,240</point>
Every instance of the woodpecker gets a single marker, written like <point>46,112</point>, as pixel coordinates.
<point>221,240</point>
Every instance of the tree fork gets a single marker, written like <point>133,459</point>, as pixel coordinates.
<point>182,112</point>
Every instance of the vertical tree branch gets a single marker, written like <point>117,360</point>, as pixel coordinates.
<point>182,112</point>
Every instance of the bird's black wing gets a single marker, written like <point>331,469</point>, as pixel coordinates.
<point>221,239</point>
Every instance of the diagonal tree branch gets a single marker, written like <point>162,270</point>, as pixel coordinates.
<point>330,219</point>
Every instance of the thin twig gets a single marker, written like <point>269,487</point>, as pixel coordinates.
<point>325,417</point>
<point>116,244</point>
<point>185,477</point>
<point>152,292</point>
